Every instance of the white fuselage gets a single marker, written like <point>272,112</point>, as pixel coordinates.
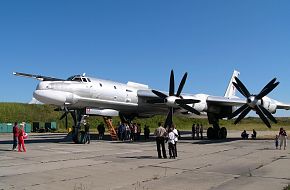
<point>104,94</point>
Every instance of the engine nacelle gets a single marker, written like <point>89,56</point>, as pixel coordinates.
<point>269,105</point>
<point>202,105</point>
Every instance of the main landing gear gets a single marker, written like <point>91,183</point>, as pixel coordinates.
<point>78,134</point>
<point>216,132</point>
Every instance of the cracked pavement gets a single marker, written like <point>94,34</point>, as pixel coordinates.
<point>106,165</point>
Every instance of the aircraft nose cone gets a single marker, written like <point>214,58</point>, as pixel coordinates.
<point>50,97</point>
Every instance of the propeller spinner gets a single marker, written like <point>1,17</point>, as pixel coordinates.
<point>254,102</point>
<point>175,100</point>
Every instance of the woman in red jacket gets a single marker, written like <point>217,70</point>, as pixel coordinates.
<point>20,138</point>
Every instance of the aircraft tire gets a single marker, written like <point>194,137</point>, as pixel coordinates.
<point>79,137</point>
<point>210,133</point>
<point>223,133</point>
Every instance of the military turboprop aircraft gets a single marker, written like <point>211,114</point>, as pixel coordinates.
<point>81,95</point>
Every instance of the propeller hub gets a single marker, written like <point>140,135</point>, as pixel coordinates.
<point>252,101</point>
<point>170,101</point>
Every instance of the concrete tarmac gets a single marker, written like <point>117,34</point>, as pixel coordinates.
<point>53,162</point>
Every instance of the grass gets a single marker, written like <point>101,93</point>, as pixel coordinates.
<point>11,112</point>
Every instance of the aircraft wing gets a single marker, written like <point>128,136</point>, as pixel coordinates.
<point>281,105</point>
<point>224,101</point>
<point>38,77</point>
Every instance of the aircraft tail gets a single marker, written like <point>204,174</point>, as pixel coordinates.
<point>231,90</point>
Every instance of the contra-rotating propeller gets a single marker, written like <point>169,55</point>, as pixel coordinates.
<point>65,115</point>
<point>175,100</point>
<point>254,102</point>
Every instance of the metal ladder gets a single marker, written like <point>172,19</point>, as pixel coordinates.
<point>111,128</point>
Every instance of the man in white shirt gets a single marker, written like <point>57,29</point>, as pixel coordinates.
<point>174,130</point>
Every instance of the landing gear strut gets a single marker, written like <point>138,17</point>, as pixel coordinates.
<point>77,134</point>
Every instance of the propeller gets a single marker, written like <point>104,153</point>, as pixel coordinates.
<point>175,100</point>
<point>254,102</point>
<point>65,115</point>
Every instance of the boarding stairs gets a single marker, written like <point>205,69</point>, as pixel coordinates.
<point>109,123</point>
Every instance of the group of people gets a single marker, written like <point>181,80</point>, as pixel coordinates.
<point>282,138</point>
<point>169,135</point>
<point>18,137</point>
<point>245,135</point>
<point>197,131</point>
<point>132,131</point>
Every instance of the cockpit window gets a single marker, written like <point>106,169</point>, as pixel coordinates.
<point>77,79</point>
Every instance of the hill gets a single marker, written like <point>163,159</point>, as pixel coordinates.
<point>11,112</point>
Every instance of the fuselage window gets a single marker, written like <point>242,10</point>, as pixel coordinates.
<point>128,90</point>
<point>115,87</point>
<point>89,79</point>
<point>100,84</point>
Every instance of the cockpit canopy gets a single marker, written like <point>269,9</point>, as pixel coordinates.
<point>79,78</point>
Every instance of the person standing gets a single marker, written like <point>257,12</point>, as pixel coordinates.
<point>277,141</point>
<point>146,132</point>
<point>282,137</point>
<point>15,136</point>
<point>175,132</point>
<point>160,134</point>
<point>21,138</point>
<point>193,131</point>
<point>201,131</point>
<point>87,138</point>
<point>171,143</point>
<point>197,131</point>
<point>101,130</point>
<point>138,131</point>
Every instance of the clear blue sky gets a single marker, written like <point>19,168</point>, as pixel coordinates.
<point>142,41</point>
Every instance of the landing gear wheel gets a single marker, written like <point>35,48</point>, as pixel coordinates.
<point>79,137</point>
<point>223,133</point>
<point>210,133</point>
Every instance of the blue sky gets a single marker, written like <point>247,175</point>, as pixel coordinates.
<point>142,41</point>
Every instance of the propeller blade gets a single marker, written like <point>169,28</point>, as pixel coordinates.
<point>73,114</point>
<point>186,101</point>
<point>238,111</point>
<point>242,87</point>
<point>159,94</point>
<point>155,101</point>
<point>190,109</point>
<point>269,84</point>
<point>243,114</point>
<point>168,121</point>
<point>181,85</point>
<point>262,116</point>
<point>267,90</point>
<point>63,115</point>
<point>171,85</point>
<point>239,89</point>
<point>66,121</point>
<point>268,114</point>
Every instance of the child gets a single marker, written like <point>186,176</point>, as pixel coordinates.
<point>276,141</point>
